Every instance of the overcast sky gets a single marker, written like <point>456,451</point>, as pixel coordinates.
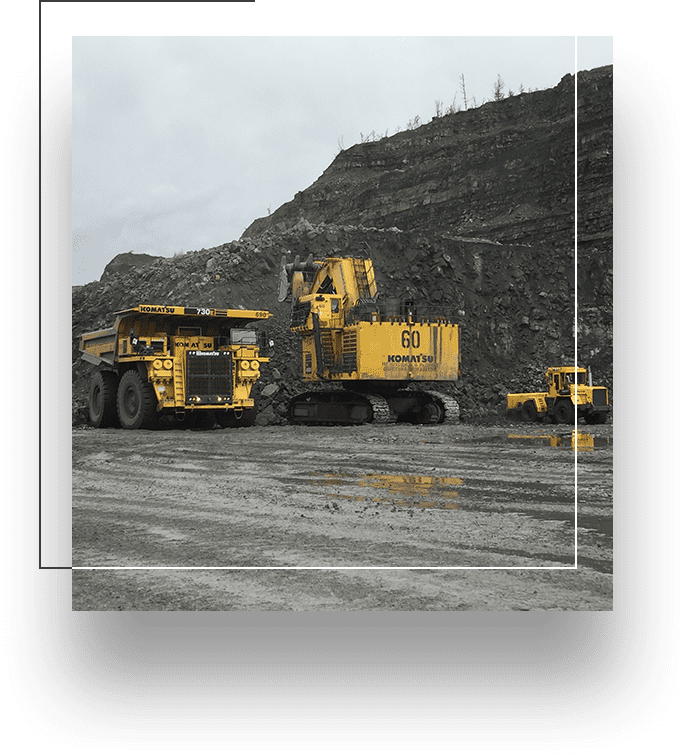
<point>179,143</point>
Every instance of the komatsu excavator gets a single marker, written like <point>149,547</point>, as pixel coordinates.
<point>371,359</point>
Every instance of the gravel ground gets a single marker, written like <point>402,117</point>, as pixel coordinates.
<point>365,518</point>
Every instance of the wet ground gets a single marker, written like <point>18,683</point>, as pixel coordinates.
<point>513,517</point>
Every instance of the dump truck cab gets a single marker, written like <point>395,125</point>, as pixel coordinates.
<point>196,363</point>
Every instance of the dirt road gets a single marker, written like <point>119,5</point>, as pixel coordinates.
<point>478,518</point>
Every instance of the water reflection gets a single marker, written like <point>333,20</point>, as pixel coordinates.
<point>421,491</point>
<point>578,439</point>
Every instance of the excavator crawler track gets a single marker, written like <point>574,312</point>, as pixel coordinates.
<point>382,414</point>
<point>330,408</point>
<point>340,408</point>
<point>449,404</point>
<point>345,407</point>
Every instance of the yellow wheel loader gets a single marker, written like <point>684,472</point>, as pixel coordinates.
<point>569,392</point>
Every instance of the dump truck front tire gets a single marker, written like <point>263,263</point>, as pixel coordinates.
<point>102,400</point>
<point>136,402</point>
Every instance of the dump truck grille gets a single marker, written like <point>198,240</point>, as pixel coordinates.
<point>599,397</point>
<point>209,374</point>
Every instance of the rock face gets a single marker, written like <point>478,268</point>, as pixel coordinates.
<point>504,171</point>
<point>471,215</point>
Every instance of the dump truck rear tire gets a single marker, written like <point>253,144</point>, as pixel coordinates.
<point>102,400</point>
<point>136,402</point>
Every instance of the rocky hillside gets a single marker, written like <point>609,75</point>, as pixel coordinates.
<point>472,214</point>
<point>503,171</point>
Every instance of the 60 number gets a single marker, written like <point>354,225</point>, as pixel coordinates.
<point>411,338</point>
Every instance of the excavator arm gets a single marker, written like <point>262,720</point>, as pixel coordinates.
<point>350,278</point>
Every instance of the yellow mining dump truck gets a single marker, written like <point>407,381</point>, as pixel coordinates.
<point>370,359</point>
<point>568,388</point>
<point>196,364</point>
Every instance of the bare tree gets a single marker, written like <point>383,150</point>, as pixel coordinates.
<point>498,89</point>
<point>463,92</point>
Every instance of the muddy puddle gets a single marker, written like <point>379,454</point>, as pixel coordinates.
<point>421,491</point>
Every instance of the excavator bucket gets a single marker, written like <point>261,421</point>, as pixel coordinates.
<point>287,270</point>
